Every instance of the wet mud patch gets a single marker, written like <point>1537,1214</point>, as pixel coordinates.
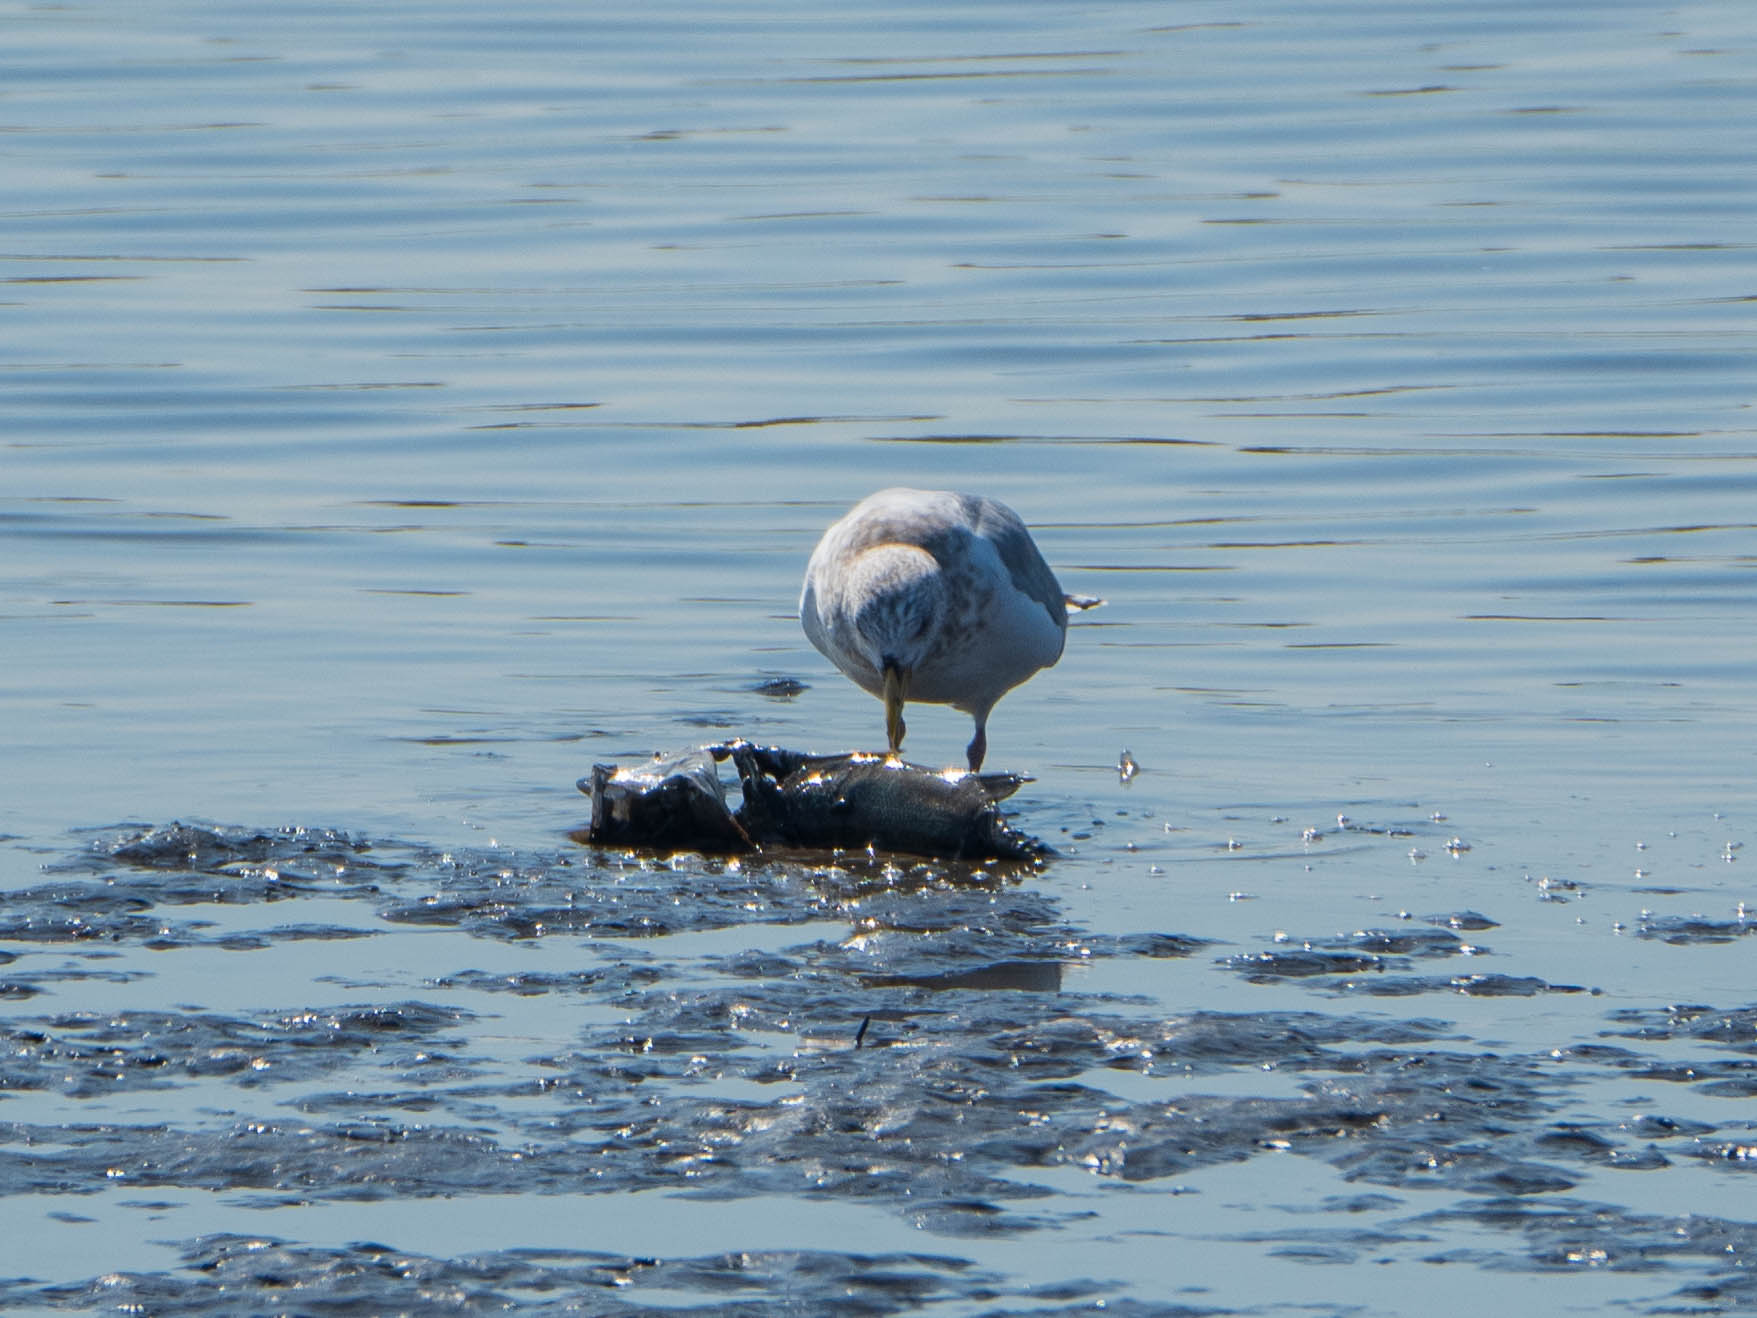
<point>139,886</point>
<point>1572,1235</point>
<point>914,1039</point>
<point>129,884</point>
<point>82,1054</point>
<point>1377,962</point>
<point>1734,1030</point>
<point>1692,930</point>
<point>226,1274</point>
<point>195,849</point>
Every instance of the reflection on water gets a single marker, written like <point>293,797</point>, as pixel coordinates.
<point>408,408</point>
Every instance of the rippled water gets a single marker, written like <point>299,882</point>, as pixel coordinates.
<point>407,406</point>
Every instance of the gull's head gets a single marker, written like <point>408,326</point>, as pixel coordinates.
<point>897,598</point>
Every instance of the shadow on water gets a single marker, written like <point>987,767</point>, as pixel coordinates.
<point>937,1057</point>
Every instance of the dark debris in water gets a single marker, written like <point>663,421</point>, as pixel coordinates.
<point>926,1045</point>
<point>780,688</point>
<point>792,800</point>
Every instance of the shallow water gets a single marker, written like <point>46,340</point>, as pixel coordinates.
<point>406,408</point>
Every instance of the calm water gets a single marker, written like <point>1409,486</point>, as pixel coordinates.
<point>403,407</point>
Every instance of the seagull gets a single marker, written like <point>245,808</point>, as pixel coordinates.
<point>937,597</point>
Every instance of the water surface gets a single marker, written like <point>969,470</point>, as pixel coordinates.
<point>406,408</point>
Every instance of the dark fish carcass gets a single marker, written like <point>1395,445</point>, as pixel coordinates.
<point>861,800</point>
<point>848,802</point>
<point>674,801</point>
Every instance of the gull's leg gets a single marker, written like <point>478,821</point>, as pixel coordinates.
<point>978,744</point>
<point>896,691</point>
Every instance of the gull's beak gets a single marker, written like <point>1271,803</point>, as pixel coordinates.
<point>896,692</point>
